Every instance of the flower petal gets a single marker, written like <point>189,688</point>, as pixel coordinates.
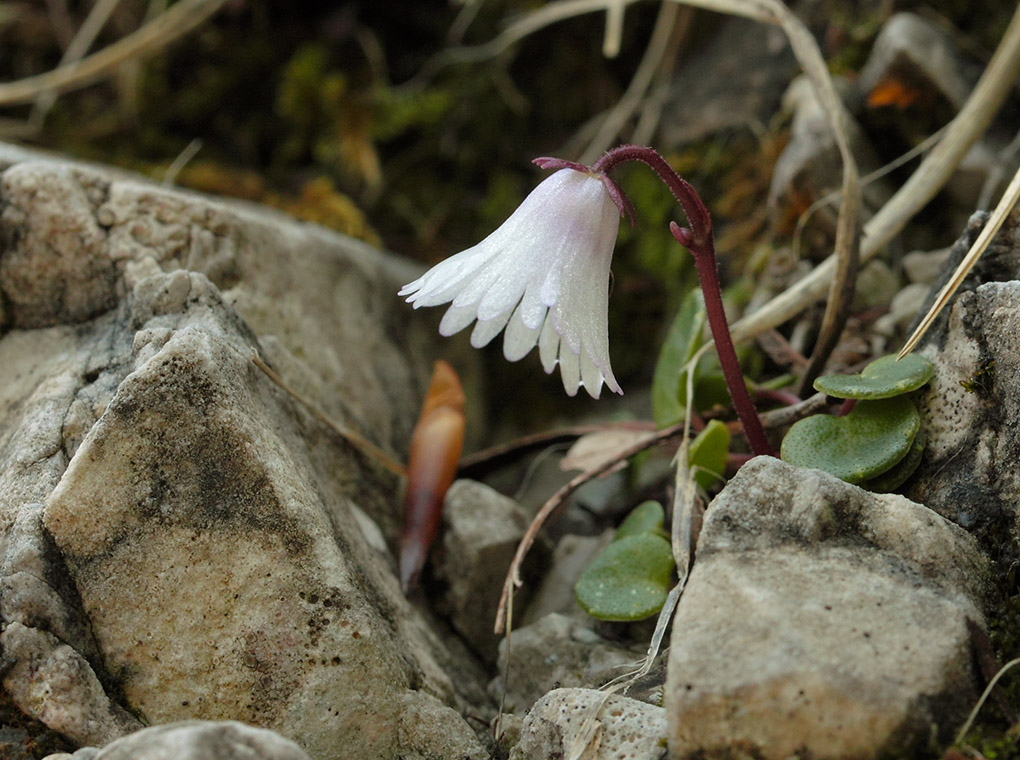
<point>486,330</point>
<point>456,319</point>
<point>519,339</point>
<point>591,377</point>
<point>543,276</point>
<point>549,346</point>
<point>570,370</point>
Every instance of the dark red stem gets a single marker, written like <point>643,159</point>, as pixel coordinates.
<point>846,407</point>
<point>698,218</point>
<point>698,239</point>
<point>704,261</point>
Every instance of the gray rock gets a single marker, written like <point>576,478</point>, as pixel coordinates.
<point>969,412</point>
<point>925,266</point>
<point>51,681</point>
<point>176,534</point>
<point>613,727</point>
<point>557,652</point>
<point>555,591</point>
<point>892,328</point>
<point>194,740</point>
<point>877,285</point>
<point>220,580</point>
<point>821,619</point>
<point>481,531</point>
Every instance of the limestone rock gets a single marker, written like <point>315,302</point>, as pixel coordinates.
<point>821,619</point>
<point>481,530</point>
<point>194,740</point>
<point>557,651</point>
<point>555,591</point>
<point>969,413</point>
<point>219,579</point>
<point>620,728</point>
<point>54,682</point>
<point>969,409</point>
<point>178,538</point>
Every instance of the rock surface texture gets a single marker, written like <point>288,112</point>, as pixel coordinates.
<point>970,408</point>
<point>178,535</point>
<point>823,620</point>
<point>194,740</point>
<point>612,727</point>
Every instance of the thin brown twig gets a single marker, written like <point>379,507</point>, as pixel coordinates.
<point>969,124</point>
<point>357,440</point>
<point>513,577</point>
<point>178,20</point>
<point>778,418</point>
<point>543,438</point>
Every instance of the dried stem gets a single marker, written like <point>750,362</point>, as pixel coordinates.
<point>513,577</point>
<point>357,440</point>
<point>180,19</point>
<point>497,452</point>
<point>969,124</point>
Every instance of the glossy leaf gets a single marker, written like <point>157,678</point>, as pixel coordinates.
<point>629,580</point>
<point>646,517</point>
<point>860,446</point>
<point>883,378</point>
<point>669,383</point>
<point>708,452</point>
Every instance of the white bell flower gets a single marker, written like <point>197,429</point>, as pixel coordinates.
<point>541,278</point>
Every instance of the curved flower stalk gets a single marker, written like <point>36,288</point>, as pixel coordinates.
<point>542,278</point>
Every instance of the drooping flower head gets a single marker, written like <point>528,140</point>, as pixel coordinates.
<point>541,278</point>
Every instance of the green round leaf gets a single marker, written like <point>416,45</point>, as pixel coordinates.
<point>708,453</point>
<point>883,378</point>
<point>897,475</point>
<point>669,383</point>
<point>629,580</point>
<point>862,445</point>
<point>646,517</point>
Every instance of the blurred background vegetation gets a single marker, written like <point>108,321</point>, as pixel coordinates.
<point>347,114</point>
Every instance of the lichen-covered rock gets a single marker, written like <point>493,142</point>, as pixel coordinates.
<point>612,727</point>
<point>821,619</point>
<point>970,411</point>
<point>194,740</point>
<point>77,238</point>
<point>970,407</point>
<point>220,580</point>
<point>177,535</point>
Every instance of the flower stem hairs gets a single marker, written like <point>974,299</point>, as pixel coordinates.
<point>542,278</point>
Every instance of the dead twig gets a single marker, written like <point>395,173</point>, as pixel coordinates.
<point>146,41</point>
<point>1006,203</point>
<point>357,440</point>
<point>544,438</point>
<point>933,173</point>
<point>513,578</point>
